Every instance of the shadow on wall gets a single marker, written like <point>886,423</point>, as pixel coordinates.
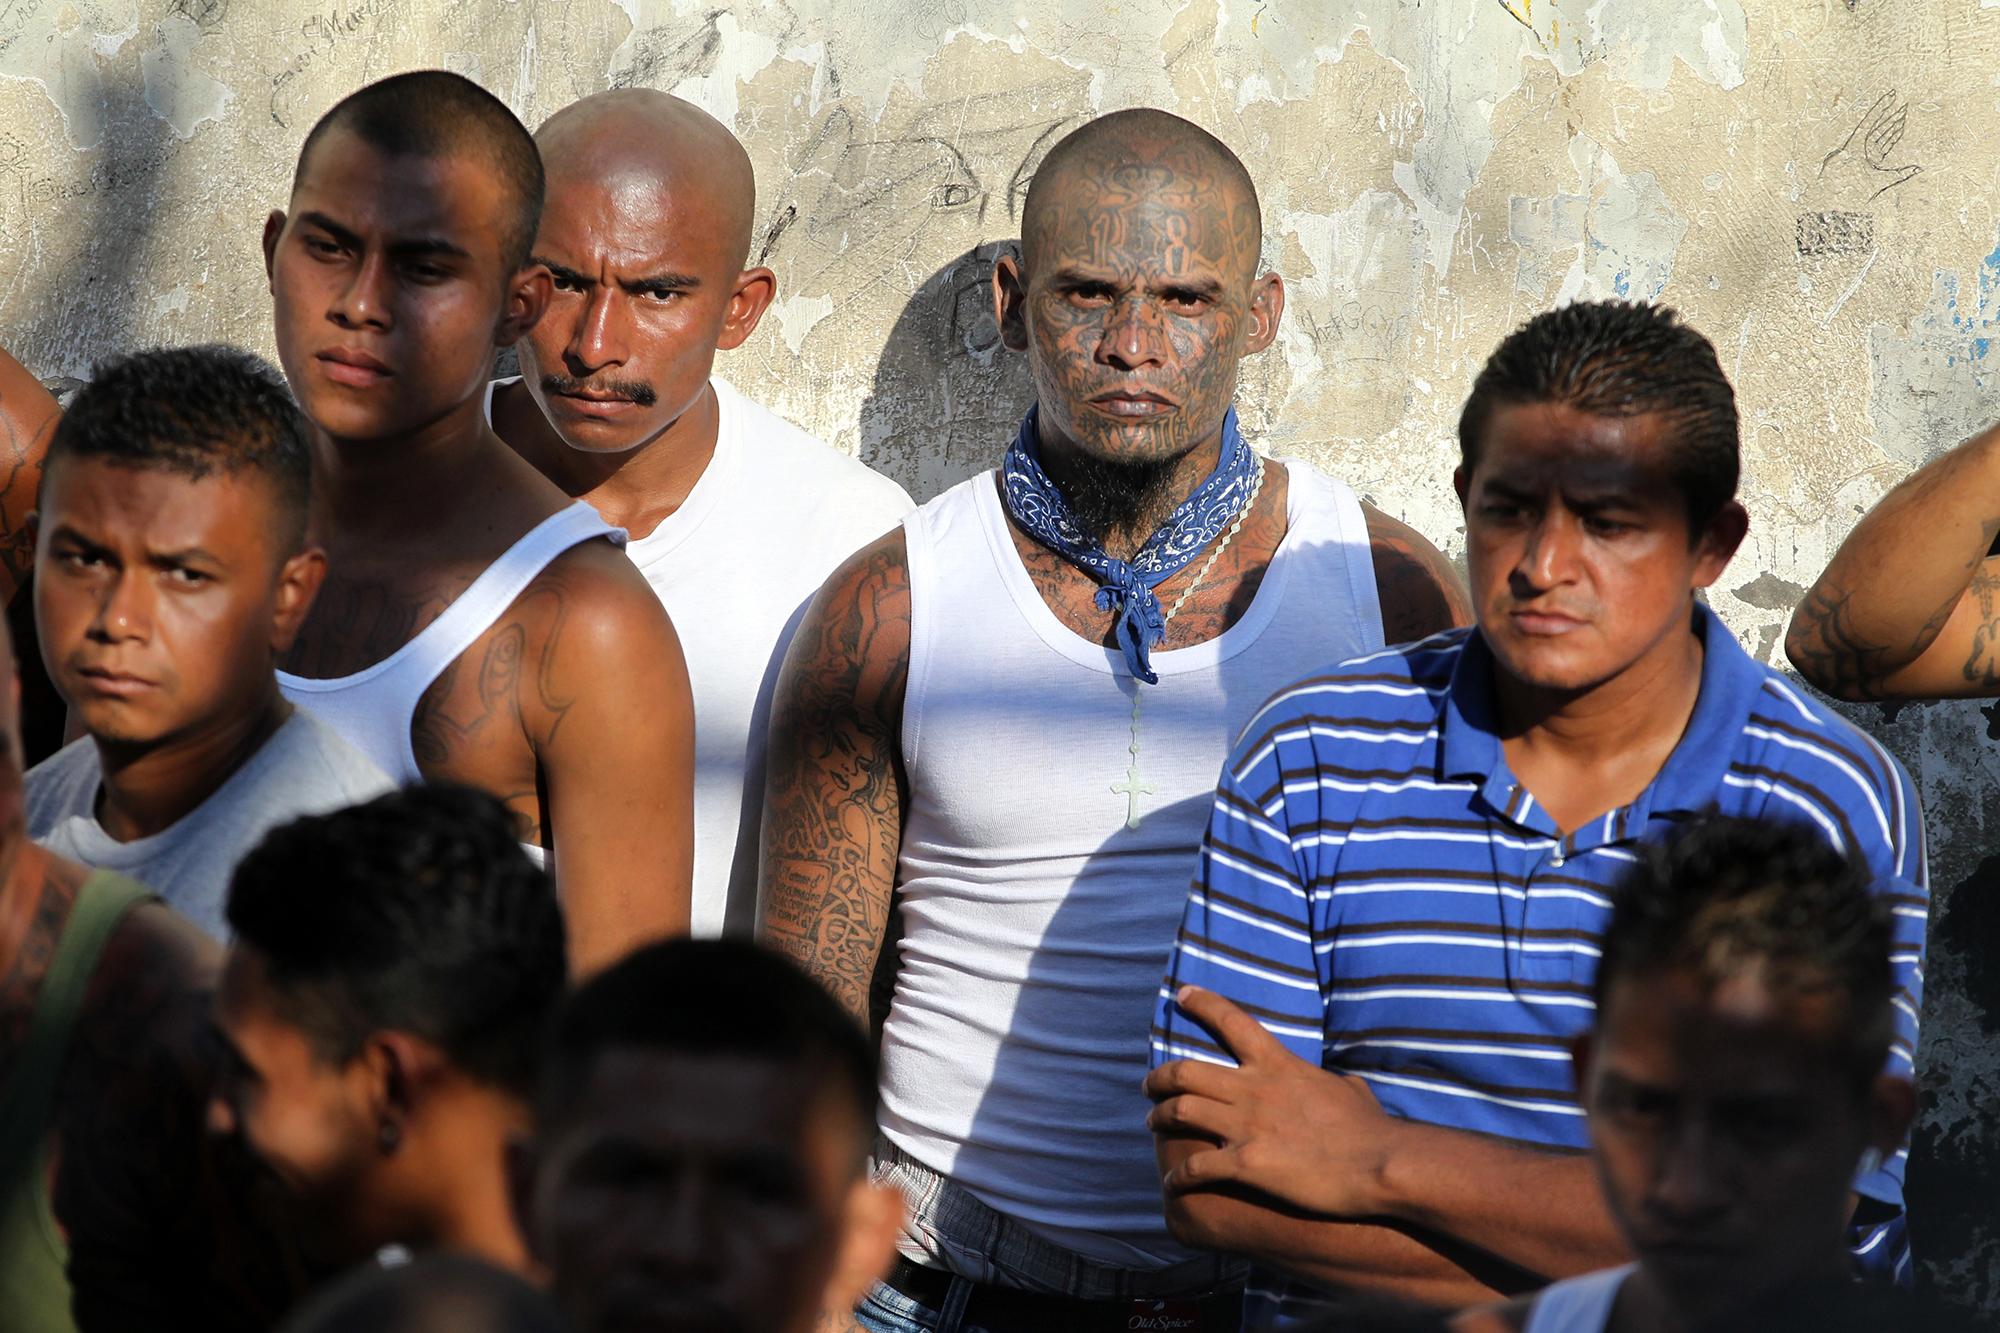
<point>947,396</point>
<point>99,292</point>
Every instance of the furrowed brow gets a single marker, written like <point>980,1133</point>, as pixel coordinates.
<point>662,284</point>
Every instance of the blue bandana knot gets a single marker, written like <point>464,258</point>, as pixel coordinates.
<point>1127,586</point>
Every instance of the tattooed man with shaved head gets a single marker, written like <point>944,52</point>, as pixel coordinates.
<point>735,516</point>
<point>1001,722</point>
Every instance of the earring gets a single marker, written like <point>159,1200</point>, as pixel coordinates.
<point>389,1136</point>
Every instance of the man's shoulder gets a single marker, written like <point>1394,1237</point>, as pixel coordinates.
<point>322,762</point>
<point>809,467</point>
<point>1404,682</point>
<point>62,785</point>
<point>1789,729</point>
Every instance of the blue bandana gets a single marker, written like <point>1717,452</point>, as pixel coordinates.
<point>1127,588</point>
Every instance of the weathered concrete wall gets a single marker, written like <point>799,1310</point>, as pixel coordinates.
<point>1812,181</point>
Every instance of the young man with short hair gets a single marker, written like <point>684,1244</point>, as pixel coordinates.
<point>1411,855</point>
<point>701,1153</point>
<point>1746,1003</point>
<point>734,515</point>
<point>476,626</point>
<point>173,568</point>
<point>382,1009</point>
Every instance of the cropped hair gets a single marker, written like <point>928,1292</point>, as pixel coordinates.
<point>437,114</point>
<point>1620,359</point>
<point>416,912</point>
<point>1724,897</point>
<point>708,998</point>
<point>196,412</point>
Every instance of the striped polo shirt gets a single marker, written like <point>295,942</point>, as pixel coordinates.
<point>1377,887</point>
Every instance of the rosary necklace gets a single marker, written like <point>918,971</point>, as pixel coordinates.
<point>1133,787</point>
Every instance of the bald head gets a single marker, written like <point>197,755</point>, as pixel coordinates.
<point>1134,155</point>
<point>639,139</point>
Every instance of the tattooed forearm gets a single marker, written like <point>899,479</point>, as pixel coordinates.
<point>834,783</point>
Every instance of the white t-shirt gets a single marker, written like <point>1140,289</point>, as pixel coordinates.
<point>774,513</point>
<point>303,769</point>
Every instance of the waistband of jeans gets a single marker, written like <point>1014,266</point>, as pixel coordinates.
<point>951,1229</point>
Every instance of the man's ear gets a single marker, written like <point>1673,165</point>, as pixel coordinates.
<point>1267,307</point>
<point>401,1073</point>
<point>528,295</point>
<point>299,579</point>
<point>1719,540</point>
<point>755,290</point>
<point>520,1161</point>
<point>1892,1107</point>
<point>1461,483</point>
<point>274,227</point>
<point>870,1224</point>
<point>1010,301</point>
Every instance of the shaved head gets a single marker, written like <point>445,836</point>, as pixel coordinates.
<point>638,138</point>
<point>1142,152</point>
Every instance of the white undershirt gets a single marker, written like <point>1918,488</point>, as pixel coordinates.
<point>773,513</point>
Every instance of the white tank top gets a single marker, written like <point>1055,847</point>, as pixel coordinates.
<point>373,708</point>
<point>1580,1304</point>
<point>1036,924</point>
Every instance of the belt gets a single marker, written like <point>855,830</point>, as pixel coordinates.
<point>1011,1310</point>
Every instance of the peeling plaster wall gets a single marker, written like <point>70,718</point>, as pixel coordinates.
<point>1812,181</point>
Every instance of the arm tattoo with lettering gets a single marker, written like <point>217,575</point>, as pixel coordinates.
<point>834,781</point>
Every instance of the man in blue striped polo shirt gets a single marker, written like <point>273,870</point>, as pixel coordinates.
<point>1407,866</point>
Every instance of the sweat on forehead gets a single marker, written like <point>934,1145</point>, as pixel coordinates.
<point>1137,156</point>
<point>647,137</point>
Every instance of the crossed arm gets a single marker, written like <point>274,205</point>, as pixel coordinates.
<point>834,784</point>
<point>1910,606</point>
<point>1300,1168</point>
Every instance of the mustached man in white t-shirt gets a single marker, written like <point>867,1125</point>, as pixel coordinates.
<point>735,516</point>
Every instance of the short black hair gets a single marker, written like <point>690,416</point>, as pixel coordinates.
<point>707,997</point>
<point>196,411</point>
<point>1620,359</point>
<point>416,912</point>
<point>1723,896</point>
<point>435,113</point>
<point>438,1291</point>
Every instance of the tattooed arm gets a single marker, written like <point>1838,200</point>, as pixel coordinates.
<point>1420,591</point>
<point>605,700</point>
<point>1910,606</point>
<point>28,417</point>
<point>165,1226</point>
<point>834,783</point>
